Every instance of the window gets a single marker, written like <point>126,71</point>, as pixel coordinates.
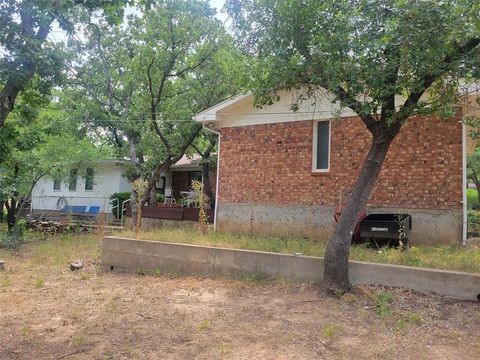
<point>72,181</point>
<point>56,184</point>
<point>321,146</point>
<point>89,179</point>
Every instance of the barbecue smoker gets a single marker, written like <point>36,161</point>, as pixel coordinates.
<point>386,229</point>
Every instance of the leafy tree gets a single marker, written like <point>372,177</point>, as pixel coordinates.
<point>367,55</point>
<point>38,146</point>
<point>24,49</point>
<point>140,83</point>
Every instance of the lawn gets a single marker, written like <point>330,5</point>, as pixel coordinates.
<point>457,258</point>
<point>49,312</point>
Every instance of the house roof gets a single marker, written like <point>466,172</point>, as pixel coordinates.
<point>186,163</point>
<point>241,110</point>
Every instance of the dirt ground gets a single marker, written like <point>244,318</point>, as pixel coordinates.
<point>92,314</point>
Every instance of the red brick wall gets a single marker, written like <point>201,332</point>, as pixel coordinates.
<point>272,164</point>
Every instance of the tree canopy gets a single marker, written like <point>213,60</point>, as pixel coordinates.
<point>24,48</point>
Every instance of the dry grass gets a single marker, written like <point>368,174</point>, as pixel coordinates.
<point>456,258</point>
<point>49,312</point>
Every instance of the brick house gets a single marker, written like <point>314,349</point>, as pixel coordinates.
<point>282,172</point>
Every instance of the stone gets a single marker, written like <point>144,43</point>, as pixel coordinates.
<point>76,265</point>
<point>2,265</point>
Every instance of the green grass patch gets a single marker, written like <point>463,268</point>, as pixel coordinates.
<point>440,257</point>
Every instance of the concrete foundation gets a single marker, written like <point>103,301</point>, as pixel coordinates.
<point>429,227</point>
<point>133,255</point>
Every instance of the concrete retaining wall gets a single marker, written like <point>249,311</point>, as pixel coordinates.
<point>428,226</point>
<point>131,254</point>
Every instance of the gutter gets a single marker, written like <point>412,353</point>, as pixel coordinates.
<point>218,174</point>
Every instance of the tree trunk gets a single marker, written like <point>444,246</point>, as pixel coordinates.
<point>207,185</point>
<point>153,197</point>
<point>11,213</point>
<point>337,252</point>
<point>1,211</point>
<point>133,210</point>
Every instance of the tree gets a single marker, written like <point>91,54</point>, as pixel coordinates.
<point>24,48</point>
<point>366,54</point>
<point>37,145</point>
<point>139,84</point>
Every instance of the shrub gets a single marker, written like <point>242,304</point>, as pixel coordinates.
<point>160,197</point>
<point>472,198</point>
<point>10,241</point>
<point>121,196</point>
<point>473,220</point>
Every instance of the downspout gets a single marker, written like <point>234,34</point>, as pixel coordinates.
<point>464,183</point>
<point>218,175</point>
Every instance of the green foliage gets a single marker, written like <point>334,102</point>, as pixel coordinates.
<point>473,220</point>
<point>26,51</point>
<point>472,198</point>
<point>361,49</point>
<point>383,299</point>
<point>10,241</point>
<point>160,198</point>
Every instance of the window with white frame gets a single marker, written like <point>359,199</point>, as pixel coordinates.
<point>321,146</point>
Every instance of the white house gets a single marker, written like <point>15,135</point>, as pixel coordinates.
<point>85,187</point>
<point>94,186</point>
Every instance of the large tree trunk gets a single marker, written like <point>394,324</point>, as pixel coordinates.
<point>337,252</point>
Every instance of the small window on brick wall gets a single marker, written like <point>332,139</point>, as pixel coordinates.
<point>321,146</point>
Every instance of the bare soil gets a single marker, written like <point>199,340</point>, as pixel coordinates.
<point>92,314</point>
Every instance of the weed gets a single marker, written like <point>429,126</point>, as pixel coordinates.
<point>25,331</point>
<point>113,306</point>
<point>330,331</point>
<point>224,348</point>
<point>142,271</point>
<point>383,300</point>
<point>39,283</point>
<point>401,325</point>
<point>5,282</point>
<point>78,340</point>
<point>415,319</point>
<point>203,324</point>
<point>84,276</point>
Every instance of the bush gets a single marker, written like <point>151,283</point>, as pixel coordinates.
<point>121,196</point>
<point>160,198</point>
<point>10,241</point>
<point>472,198</point>
<point>473,220</point>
